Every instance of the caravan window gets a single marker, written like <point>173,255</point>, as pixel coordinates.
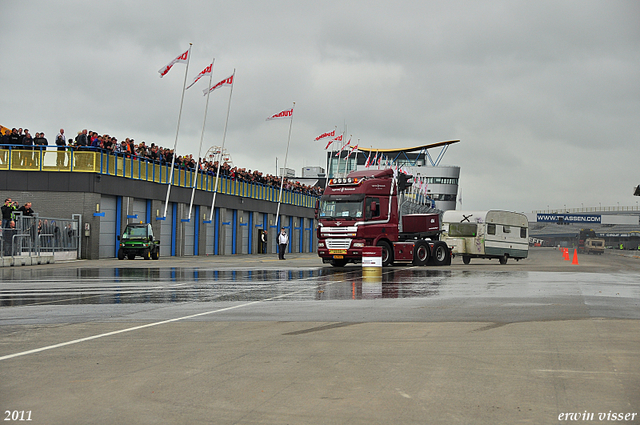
<point>463,229</point>
<point>491,229</point>
<point>523,232</point>
<point>506,229</point>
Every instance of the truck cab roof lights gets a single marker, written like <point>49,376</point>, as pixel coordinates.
<point>345,180</point>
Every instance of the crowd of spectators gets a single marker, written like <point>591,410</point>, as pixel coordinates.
<point>90,140</point>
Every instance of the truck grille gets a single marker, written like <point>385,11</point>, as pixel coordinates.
<point>338,243</point>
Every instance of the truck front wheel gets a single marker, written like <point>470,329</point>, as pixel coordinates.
<point>387,253</point>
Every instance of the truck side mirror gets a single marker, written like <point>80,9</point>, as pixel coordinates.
<point>403,181</point>
<point>118,237</point>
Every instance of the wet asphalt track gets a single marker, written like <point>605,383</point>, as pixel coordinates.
<point>89,308</point>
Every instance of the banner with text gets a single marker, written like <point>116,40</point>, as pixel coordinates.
<point>569,218</point>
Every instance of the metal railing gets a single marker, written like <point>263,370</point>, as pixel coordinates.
<point>87,160</point>
<point>599,209</point>
<point>38,236</point>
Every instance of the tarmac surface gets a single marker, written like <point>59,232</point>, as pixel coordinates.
<point>254,340</point>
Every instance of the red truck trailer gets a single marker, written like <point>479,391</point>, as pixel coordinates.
<point>372,208</point>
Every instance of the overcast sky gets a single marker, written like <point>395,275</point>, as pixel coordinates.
<point>544,95</point>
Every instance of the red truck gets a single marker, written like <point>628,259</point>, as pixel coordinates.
<point>371,208</point>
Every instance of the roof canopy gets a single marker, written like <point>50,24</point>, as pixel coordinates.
<point>413,149</point>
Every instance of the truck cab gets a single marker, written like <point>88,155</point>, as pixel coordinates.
<point>364,209</point>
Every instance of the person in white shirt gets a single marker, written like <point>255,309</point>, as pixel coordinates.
<point>283,241</point>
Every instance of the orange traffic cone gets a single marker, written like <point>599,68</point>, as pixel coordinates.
<point>575,257</point>
<point>566,254</point>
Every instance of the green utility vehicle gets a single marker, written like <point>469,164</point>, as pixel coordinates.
<point>138,240</point>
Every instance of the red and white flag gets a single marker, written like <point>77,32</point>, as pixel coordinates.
<point>353,148</point>
<point>182,58</point>
<point>206,71</point>
<point>226,82</point>
<point>368,161</point>
<point>337,139</point>
<point>287,113</point>
<point>344,146</point>
<point>325,135</point>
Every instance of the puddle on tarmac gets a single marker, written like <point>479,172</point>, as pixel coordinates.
<point>21,287</point>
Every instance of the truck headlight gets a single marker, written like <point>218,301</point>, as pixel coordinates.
<point>320,244</point>
<point>358,244</point>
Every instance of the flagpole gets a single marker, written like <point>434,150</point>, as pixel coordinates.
<point>343,146</point>
<point>330,154</point>
<point>204,121</point>
<point>283,169</point>
<point>175,144</point>
<point>224,136</point>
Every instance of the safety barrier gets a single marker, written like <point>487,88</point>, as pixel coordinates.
<point>40,237</point>
<point>91,161</point>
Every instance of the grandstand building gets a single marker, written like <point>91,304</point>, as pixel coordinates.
<point>107,191</point>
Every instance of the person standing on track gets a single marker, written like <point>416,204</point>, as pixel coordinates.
<point>283,241</point>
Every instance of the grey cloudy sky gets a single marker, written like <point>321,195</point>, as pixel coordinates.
<point>544,95</point>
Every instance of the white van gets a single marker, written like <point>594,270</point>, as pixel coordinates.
<point>486,234</point>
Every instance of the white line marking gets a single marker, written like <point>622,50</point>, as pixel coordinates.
<point>135,328</point>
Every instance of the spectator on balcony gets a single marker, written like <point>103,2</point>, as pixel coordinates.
<point>82,140</point>
<point>13,138</point>
<point>61,143</point>
<point>27,143</point>
<point>40,140</point>
<point>40,143</point>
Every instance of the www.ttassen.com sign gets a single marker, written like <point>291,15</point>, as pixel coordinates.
<point>568,218</point>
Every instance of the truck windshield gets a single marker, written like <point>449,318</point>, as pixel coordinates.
<point>463,229</point>
<point>134,232</point>
<point>340,209</point>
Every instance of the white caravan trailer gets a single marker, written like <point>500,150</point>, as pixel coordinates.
<point>486,234</point>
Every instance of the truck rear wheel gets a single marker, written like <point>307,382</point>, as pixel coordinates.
<point>420,253</point>
<point>155,254</point>
<point>504,258</point>
<point>440,253</point>
<point>387,253</point>
<point>466,259</point>
<point>120,254</point>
